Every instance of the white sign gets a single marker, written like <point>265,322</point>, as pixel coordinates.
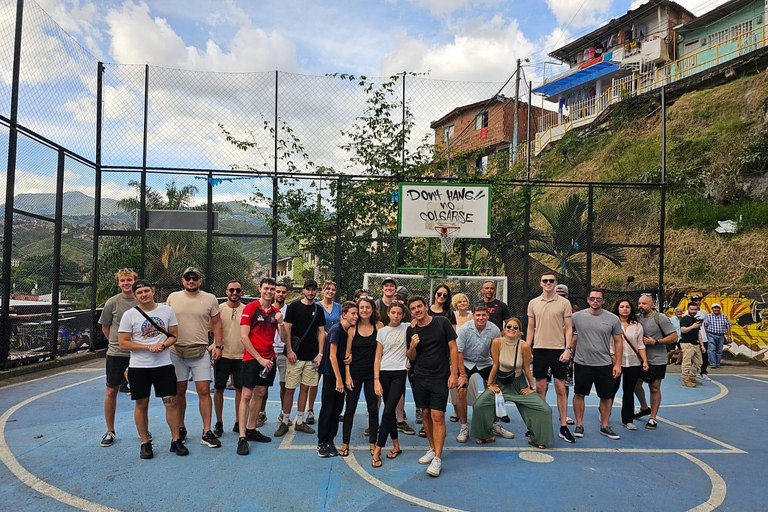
<point>424,207</point>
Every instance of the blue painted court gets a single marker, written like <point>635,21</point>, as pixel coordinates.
<point>707,454</point>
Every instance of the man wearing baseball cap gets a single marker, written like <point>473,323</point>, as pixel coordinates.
<point>718,328</point>
<point>388,290</point>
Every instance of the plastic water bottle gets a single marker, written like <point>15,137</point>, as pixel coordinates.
<point>265,371</point>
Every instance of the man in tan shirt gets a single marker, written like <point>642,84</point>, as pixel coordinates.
<point>195,310</point>
<point>550,332</point>
<point>231,360</point>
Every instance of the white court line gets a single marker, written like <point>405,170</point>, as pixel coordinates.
<point>731,449</point>
<point>487,448</point>
<point>752,379</point>
<point>721,394</point>
<point>719,488</point>
<point>76,370</point>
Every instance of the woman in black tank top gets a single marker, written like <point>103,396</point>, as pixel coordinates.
<point>361,345</point>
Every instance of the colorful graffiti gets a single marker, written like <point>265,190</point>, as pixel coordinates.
<point>750,323</point>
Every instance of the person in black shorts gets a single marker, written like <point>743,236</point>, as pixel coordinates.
<point>432,346</point>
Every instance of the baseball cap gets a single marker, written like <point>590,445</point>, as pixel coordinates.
<point>140,283</point>
<point>716,305</point>
<point>695,296</point>
<point>310,283</point>
<point>402,292</point>
<point>561,288</point>
<point>389,279</point>
<point>192,270</point>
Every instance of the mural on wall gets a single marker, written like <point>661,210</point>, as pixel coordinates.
<point>750,323</point>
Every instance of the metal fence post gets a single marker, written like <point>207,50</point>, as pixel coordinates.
<point>58,221</point>
<point>403,130</point>
<point>662,213</point>
<point>337,247</point>
<point>97,189</point>
<point>209,237</point>
<point>590,233</point>
<point>275,189</point>
<point>142,214</point>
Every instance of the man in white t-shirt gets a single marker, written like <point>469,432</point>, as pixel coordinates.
<point>147,332</point>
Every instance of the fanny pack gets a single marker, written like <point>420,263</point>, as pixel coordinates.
<point>192,352</point>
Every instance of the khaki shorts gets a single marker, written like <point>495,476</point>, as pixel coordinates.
<point>282,360</point>
<point>300,372</point>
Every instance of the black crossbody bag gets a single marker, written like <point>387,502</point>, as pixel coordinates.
<point>154,324</point>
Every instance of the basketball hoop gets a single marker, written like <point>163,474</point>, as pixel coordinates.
<point>448,235</point>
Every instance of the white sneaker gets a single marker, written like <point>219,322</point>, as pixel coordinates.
<point>427,457</point>
<point>705,377</point>
<point>463,434</point>
<point>434,467</point>
<point>498,430</point>
<point>630,426</point>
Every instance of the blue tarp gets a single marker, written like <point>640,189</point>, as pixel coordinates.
<point>580,77</point>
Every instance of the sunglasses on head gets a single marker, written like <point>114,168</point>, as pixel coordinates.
<point>234,290</point>
<point>514,327</point>
<point>126,269</point>
<point>191,278</point>
<point>548,281</point>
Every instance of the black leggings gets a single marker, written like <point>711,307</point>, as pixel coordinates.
<point>393,386</point>
<point>332,405</point>
<point>629,376</point>
<point>372,403</point>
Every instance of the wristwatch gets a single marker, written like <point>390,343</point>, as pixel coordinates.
<point>219,347</point>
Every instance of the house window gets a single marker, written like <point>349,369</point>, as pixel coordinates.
<point>448,133</point>
<point>741,28</point>
<point>481,121</point>
<point>718,37</point>
<point>482,164</point>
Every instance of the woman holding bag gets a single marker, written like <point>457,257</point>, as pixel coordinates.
<point>634,360</point>
<point>511,376</point>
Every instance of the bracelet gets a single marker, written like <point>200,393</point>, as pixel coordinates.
<point>569,349</point>
<point>462,374</point>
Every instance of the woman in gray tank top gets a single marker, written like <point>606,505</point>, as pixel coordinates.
<point>511,376</point>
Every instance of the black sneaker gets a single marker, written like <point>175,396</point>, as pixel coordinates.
<point>146,451</point>
<point>422,432</point>
<point>242,446</point>
<point>609,433</point>
<point>505,419</point>
<point>124,388</point>
<point>182,434</point>
<point>333,450</point>
<point>323,450</point>
<point>642,412</point>
<point>218,429</point>
<point>255,435</point>
<point>108,439</point>
<point>528,433</point>
<point>579,431</point>
<point>566,435</point>
<point>651,425</point>
<point>281,430</point>
<point>178,448</point>
<point>209,439</point>
<point>236,428</point>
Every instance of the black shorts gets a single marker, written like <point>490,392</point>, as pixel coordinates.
<point>163,378</point>
<point>484,373</point>
<point>116,366</point>
<point>430,393</point>
<point>659,371</point>
<point>250,374</point>
<point>601,376</point>
<point>223,368</point>
<point>546,358</point>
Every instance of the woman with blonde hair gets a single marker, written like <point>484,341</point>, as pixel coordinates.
<point>460,303</point>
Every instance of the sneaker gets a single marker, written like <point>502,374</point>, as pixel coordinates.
<point>498,430</point>
<point>690,383</point>
<point>705,377</point>
<point>323,450</point>
<point>642,412</point>
<point>209,439</point>
<point>422,432</point>
<point>427,457</point>
<point>280,419</point>
<point>261,420</point>
<point>463,435</point>
<point>108,439</point>
<point>434,467</point>
<point>565,435</point>
<point>303,427</point>
<point>419,416</point>
<point>255,435</point>
<point>125,389</point>
<point>178,448</point>
<point>367,432</point>
<point>630,426</point>
<point>281,430</point>
<point>146,451</point>
<point>149,436</point>
<point>182,434</point>
<point>309,419</point>
<point>242,446</point>
<point>578,431</point>
<point>609,433</point>
<point>528,433</point>
<point>505,419</point>
<point>236,428</point>
<point>651,425</point>
<point>218,429</point>
<point>405,428</point>
<point>333,450</point>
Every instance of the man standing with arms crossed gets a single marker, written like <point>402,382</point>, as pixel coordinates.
<point>231,360</point>
<point>196,310</point>
<point>432,341</point>
<point>550,327</point>
<point>117,359</point>
<point>497,310</point>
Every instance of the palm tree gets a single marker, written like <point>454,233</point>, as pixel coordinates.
<point>175,198</point>
<point>567,238</point>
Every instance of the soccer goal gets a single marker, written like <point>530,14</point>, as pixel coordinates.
<point>471,286</point>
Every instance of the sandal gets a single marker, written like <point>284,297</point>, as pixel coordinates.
<point>343,452</point>
<point>486,441</point>
<point>569,421</point>
<point>394,453</point>
<point>454,419</point>
<point>376,463</point>
<point>539,446</point>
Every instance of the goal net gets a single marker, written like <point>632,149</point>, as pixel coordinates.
<point>471,286</point>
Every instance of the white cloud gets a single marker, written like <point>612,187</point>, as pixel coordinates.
<point>589,13</point>
<point>441,7</point>
<point>76,18</point>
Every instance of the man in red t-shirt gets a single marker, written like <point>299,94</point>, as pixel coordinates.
<point>258,324</point>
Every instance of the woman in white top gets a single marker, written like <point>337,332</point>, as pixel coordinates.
<point>634,360</point>
<point>461,305</point>
<point>389,373</point>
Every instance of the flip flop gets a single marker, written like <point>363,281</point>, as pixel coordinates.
<point>486,441</point>
<point>454,419</point>
<point>376,463</point>
<point>539,446</point>
<point>394,453</point>
<point>569,421</point>
<point>343,452</point>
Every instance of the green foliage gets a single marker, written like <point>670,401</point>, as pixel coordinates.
<point>754,159</point>
<point>574,148</point>
<point>691,211</point>
<point>631,107</point>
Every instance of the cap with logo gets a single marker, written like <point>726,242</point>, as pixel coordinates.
<point>310,283</point>
<point>192,270</point>
<point>389,279</point>
<point>695,296</point>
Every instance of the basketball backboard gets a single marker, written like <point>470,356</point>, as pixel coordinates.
<point>422,207</point>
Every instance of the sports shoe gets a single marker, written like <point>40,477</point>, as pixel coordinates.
<point>434,467</point>
<point>367,431</point>
<point>260,420</point>
<point>422,432</point>
<point>255,435</point>
<point>146,451</point>
<point>690,383</point>
<point>280,419</point>
<point>651,425</point>
<point>218,429</point>
<point>323,450</point>
<point>463,434</point>
<point>505,419</point>
<point>609,433</point>
<point>236,428</point>
<point>108,439</point>
<point>178,448</point>
<point>303,427</point>
<point>419,416</point>
<point>565,435</point>
<point>578,431</point>
<point>333,450</point>
<point>281,430</point>
<point>630,426</point>
<point>242,446</point>
<point>309,419</point>
<point>642,412</point>
<point>124,388</point>
<point>705,377</point>
<point>427,457</point>
<point>182,434</point>
<point>498,430</point>
<point>405,428</point>
<point>209,439</point>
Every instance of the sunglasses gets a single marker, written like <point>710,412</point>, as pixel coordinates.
<point>512,326</point>
<point>548,281</point>
<point>234,290</point>
<point>441,294</point>
<point>595,299</point>
<point>191,278</point>
<point>126,269</point>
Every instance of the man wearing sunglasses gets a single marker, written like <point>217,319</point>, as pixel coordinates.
<point>196,311</point>
<point>231,361</point>
<point>549,332</point>
<point>593,364</point>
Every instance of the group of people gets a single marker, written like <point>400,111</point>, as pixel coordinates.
<point>373,346</point>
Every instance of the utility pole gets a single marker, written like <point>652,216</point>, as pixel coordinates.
<point>517,102</point>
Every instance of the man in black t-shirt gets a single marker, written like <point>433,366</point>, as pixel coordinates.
<point>693,345</point>
<point>304,319</point>
<point>497,310</point>
<point>432,345</point>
